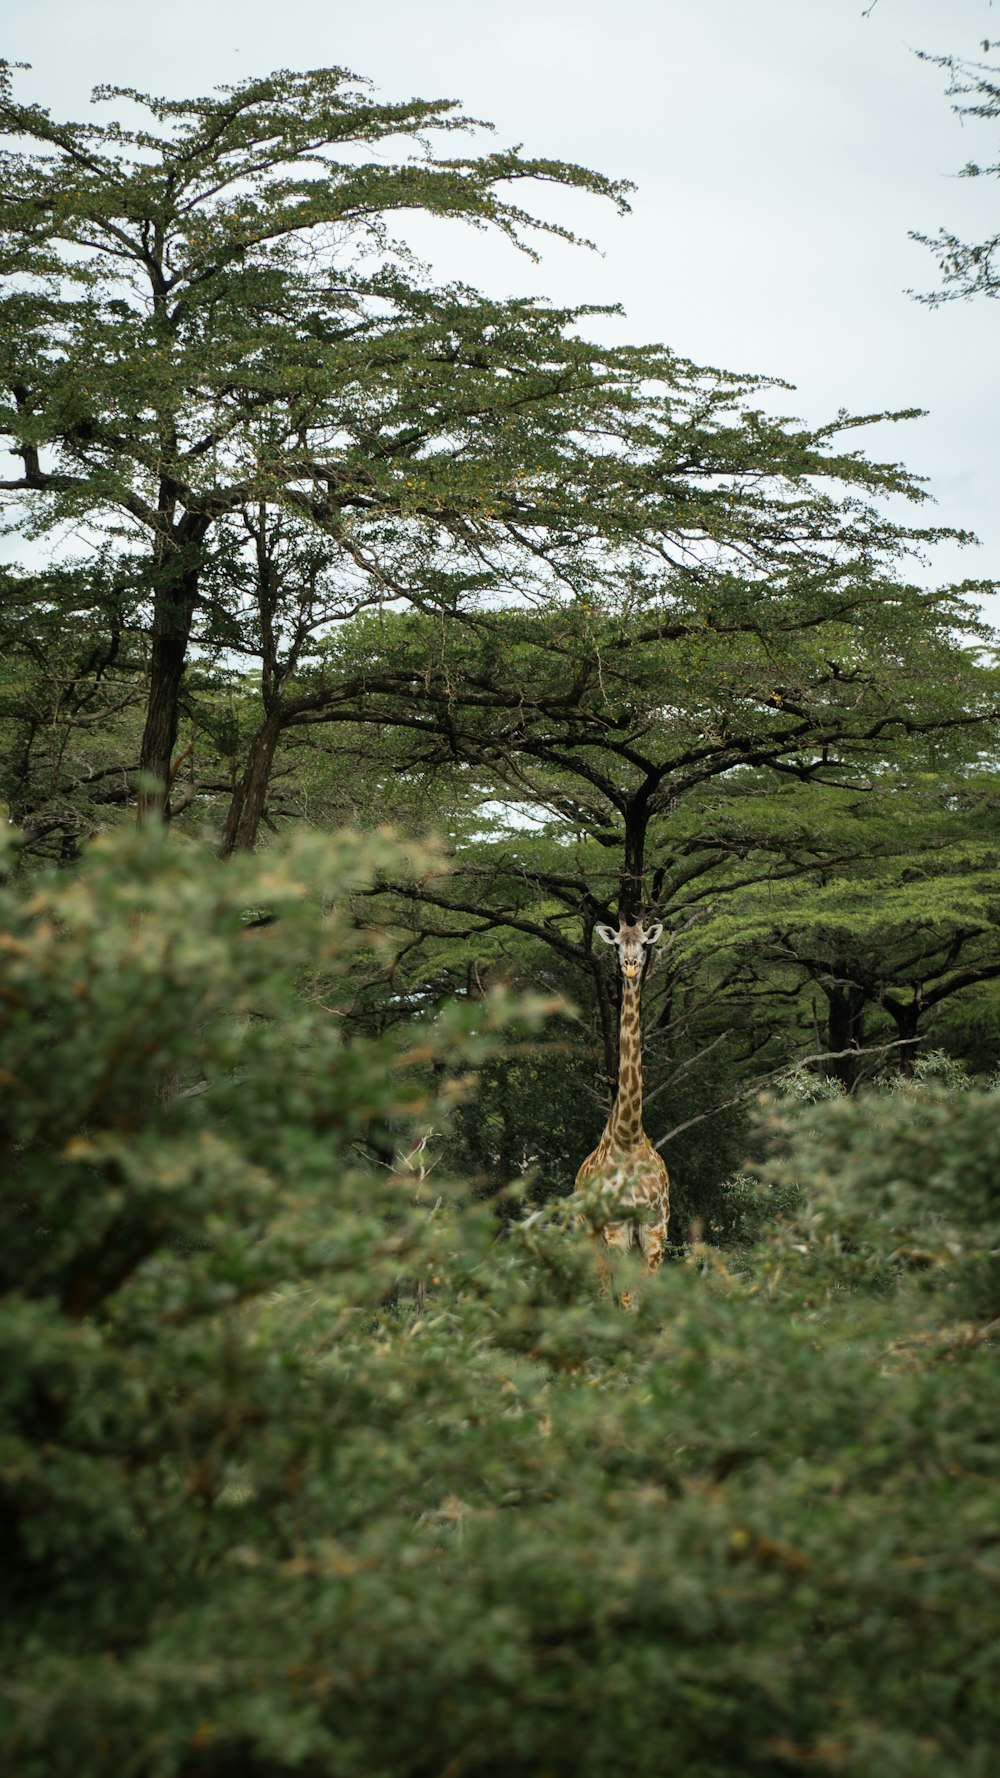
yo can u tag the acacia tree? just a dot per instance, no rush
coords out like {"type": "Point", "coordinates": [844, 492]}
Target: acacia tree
{"type": "Point", "coordinates": [207, 310]}
{"type": "Point", "coordinates": [210, 317]}
{"type": "Point", "coordinates": [631, 759]}
{"type": "Point", "coordinates": [610, 721]}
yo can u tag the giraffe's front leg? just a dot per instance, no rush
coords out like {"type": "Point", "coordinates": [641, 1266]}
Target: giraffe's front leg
{"type": "Point", "coordinates": [654, 1243]}
{"type": "Point", "coordinates": [618, 1238]}
{"type": "Point", "coordinates": [655, 1227]}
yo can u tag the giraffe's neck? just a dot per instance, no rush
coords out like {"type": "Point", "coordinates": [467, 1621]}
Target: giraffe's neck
{"type": "Point", "coordinates": [624, 1127]}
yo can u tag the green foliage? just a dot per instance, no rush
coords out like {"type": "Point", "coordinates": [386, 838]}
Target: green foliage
{"type": "Point", "coordinates": [531, 1112]}
{"type": "Point", "coordinates": [259, 1516]}
{"type": "Point", "coordinates": [902, 1184]}
{"type": "Point", "coordinates": [71, 685]}
{"type": "Point", "coordinates": [207, 331]}
{"type": "Point", "coordinates": [208, 315]}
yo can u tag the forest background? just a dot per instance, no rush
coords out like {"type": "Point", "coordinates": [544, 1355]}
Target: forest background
{"type": "Point", "coordinates": [312, 543]}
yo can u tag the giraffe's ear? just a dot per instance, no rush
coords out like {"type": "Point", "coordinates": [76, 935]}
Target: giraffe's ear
{"type": "Point", "coordinates": [608, 934]}
{"type": "Point", "coordinates": [651, 934]}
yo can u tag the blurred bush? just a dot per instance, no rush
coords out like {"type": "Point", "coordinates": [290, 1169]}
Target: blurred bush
{"type": "Point", "coordinates": [899, 1187]}
{"type": "Point", "coordinates": [304, 1470]}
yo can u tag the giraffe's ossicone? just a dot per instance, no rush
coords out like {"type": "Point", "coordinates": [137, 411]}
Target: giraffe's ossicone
{"type": "Point", "coordinates": [625, 1172]}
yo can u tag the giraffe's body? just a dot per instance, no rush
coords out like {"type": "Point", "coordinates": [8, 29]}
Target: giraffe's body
{"type": "Point", "coordinates": [625, 1169]}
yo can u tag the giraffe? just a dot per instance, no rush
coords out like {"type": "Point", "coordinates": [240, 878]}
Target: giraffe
{"type": "Point", "coordinates": [625, 1166]}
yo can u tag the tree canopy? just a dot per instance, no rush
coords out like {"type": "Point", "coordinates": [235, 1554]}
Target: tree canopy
{"type": "Point", "coordinates": [208, 309]}
{"type": "Point", "coordinates": [208, 331]}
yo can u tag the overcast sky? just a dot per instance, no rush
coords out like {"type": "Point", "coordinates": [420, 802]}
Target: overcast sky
{"type": "Point", "coordinates": [781, 150]}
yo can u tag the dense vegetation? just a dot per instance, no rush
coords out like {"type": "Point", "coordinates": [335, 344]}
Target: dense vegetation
{"type": "Point", "coordinates": [421, 633]}
{"type": "Point", "coordinates": [304, 1470]}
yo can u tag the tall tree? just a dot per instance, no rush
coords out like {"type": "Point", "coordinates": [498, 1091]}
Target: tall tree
{"type": "Point", "coordinates": [694, 544]}
{"type": "Point", "coordinates": [608, 720]}
{"type": "Point", "coordinates": [629, 759]}
{"type": "Point", "coordinates": [208, 310]}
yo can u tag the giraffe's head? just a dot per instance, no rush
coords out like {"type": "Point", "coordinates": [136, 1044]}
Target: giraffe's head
{"type": "Point", "coordinates": [632, 939]}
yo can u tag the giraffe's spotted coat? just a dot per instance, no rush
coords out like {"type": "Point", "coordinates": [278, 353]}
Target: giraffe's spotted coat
{"type": "Point", "coordinates": [625, 1172]}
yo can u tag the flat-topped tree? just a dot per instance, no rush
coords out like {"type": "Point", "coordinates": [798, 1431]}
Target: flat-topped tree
{"type": "Point", "coordinates": [612, 723]}
{"type": "Point", "coordinates": [637, 742]}
{"type": "Point", "coordinates": [207, 308]}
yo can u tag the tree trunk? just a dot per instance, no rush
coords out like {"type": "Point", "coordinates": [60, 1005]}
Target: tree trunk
{"type": "Point", "coordinates": [632, 882]}
{"type": "Point", "coordinates": [906, 1015]}
{"type": "Point", "coordinates": [174, 606]}
{"type": "Point", "coordinates": [845, 1022]}
{"type": "Point", "coordinates": [250, 796]}
{"type": "Point", "coordinates": [166, 671]}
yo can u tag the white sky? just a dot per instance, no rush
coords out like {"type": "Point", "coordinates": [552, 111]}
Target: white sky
{"type": "Point", "coordinates": [781, 148]}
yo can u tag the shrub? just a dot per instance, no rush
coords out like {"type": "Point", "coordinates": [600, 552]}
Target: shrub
{"type": "Point", "coordinates": [256, 1521]}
